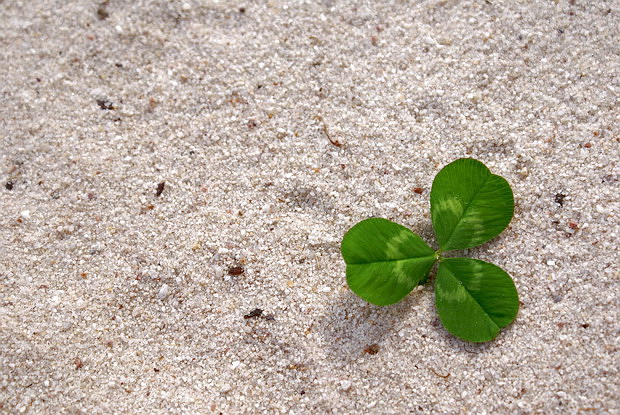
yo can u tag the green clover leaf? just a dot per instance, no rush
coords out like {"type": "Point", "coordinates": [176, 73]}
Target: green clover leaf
{"type": "Point", "coordinates": [385, 260]}
{"type": "Point", "coordinates": [469, 206]}
{"type": "Point", "coordinates": [474, 299]}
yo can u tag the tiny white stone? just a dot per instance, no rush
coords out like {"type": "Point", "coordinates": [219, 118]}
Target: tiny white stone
{"type": "Point", "coordinates": [25, 214]}
{"type": "Point", "coordinates": [345, 385]}
{"type": "Point", "coordinates": [325, 289]}
{"type": "Point", "coordinates": [235, 364]}
{"type": "Point", "coordinates": [225, 388]}
{"type": "Point", "coordinates": [163, 292]}
{"type": "Point", "coordinates": [601, 209]}
{"type": "Point", "coordinates": [119, 29]}
{"type": "Point", "coordinates": [186, 6]}
{"type": "Point", "coordinates": [551, 263]}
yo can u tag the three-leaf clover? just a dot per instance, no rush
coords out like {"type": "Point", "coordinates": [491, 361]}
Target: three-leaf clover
{"type": "Point", "coordinates": [469, 206]}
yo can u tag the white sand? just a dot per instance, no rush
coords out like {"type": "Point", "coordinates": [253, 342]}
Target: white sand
{"type": "Point", "coordinates": [113, 300]}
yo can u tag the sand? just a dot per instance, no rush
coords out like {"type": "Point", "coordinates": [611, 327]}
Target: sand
{"type": "Point", "coordinates": [167, 168]}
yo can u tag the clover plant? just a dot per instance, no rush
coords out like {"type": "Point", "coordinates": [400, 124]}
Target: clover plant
{"type": "Point", "coordinates": [469, 206]}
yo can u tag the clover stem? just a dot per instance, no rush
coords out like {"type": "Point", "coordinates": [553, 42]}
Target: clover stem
{"type": "Point", "coordinates": [438, 256]}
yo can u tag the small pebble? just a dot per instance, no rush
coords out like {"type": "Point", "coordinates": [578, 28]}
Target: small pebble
{"type": "Point", "coordinates": [235, 271]}
{"type": "Point", "coordinates": [163, 292]}
{"type": "Point", "coordinates": [372, 349]}
{"type": "Point", "coordinates": [257, 312]}
{"type": "Point", "coordinates": [160, 189]}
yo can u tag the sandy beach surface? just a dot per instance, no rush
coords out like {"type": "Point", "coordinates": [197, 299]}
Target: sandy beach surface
{"type": "Point", "coordinates": [176, 178]}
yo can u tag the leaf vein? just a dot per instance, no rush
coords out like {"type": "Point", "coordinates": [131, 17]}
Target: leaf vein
{"type": "Point", "coordinates": [466, 209]}
{"type": "Point", "coordinates": [393, 260]}
{"type": "Point", "coordinates": [472, 297]}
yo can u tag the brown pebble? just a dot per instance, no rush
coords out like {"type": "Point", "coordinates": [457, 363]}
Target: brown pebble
{"type": "Point", "coordinates": [235, 270]}
{"type": "Point", "coordinates": [102, 13]}
{"type": "Point", "coordinates": [152, 104]}
{"type": "Point", "coordinates": [105, 104]}
{"type": "Point", "coordinates": [372, 349]}
{"type": "Point", "coordinates": [418, 190]}
{"type": "Point", "coordinates": [573, 225]}
{"type": "Point", "coordinates": [257, 312]}
{"type": "Point", "coordinates": [160, 189]}
{"type": "Point", "coordinates": [78, 363]}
